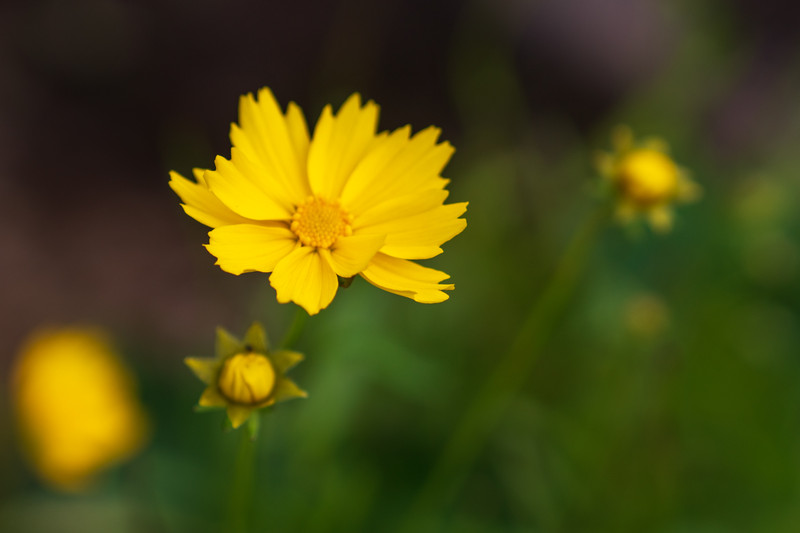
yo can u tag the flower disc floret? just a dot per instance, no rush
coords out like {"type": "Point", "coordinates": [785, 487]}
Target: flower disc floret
{"type": "Point", "coordinates": [247, 378]}
{"type": "Point", "coordinates": [319, 223]}
{"type": "Point", "coordinates": [648, 177]}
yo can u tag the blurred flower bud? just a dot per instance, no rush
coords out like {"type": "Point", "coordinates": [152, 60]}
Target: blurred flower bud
{"type": "Point", "coordinates": [76, 406]}
{"type": "Point", "coordinates": [644, 179]}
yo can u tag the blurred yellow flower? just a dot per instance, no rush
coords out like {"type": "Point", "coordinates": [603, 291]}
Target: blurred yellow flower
{"type": "Point", "coordinates": [645, 179]}
{"type": "Point", "coordinates": [343, 202]}
{"type": "Point", "coordinates": [245, 375]}
{"type": "Point", "coordinates": [76, 406]}
{"type": "Point", "coordinates": [646, 315]}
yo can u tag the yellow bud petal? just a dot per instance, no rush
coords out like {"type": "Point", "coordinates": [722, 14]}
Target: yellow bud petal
{"type": "Point", "coordinates": [648, 177]}
{"type": "Point", "coordinates": [247, 379]}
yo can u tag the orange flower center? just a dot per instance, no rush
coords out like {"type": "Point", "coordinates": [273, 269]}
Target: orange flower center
{"type": "Point", "coordinates": [648, 177]}
{"type": "Point", "coordinates": [318, 222]}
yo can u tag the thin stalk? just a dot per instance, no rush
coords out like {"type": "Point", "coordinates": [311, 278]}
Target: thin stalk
{"type": "Point", "coordinates": [243, 485]}
{"type": "Point", "coordinates": [485, 411]}
{"type": "Point", "coordinates": [244, 471]}
{"type": "Point", "coordinates": [295, 329]}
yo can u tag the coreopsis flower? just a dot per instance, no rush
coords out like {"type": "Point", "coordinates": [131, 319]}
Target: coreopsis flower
{"type": "Point", "coordinates": [645, 179]}
{"type": "Point", "coordinates": [245, 375]}
{"type": "Point", "coordinates": [76, 406]}
{"type": "Point", "coordinates": [346, 201]}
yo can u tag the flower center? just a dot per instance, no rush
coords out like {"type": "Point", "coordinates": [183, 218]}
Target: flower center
{"type": "Point", "coordinates": [318, 222]}
{"type": "Point", "coordinates": [247, 378]}
{"type": "Point", "coordinates": [648, 177]}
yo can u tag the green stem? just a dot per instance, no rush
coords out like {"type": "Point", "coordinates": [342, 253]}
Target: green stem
{"type": "Point", "coordinates": [485, 411]}
{"type": "Point", "coordinates": [244, 471]}
{"type": "Point", "coordinates": [295, 329]}
{"type": "Point", "coordinates": [243, 485]}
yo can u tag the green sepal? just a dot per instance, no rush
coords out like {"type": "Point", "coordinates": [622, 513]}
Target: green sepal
{"type": "Point", "coordinates": [256, 338]}
{"type": "Point", "coordinates": [205, 368]}
{"type": "Point", "coordinates": [287, 389]}
{"type": "Point", "coordinates": [283, 360]}
{"type": "Point", "coordinates": [227, 344]}
{"type": "Point", "coordinates": [206, 408]}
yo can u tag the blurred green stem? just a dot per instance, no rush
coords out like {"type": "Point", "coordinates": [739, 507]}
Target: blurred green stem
{"type": "Point", "coordinates": [243, 485]}
{"type": "Point", "coordinates": [485, 411]}
{"type": "Point", "coordinates": [295, 329]}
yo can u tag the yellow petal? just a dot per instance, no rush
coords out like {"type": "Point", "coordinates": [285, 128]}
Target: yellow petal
{"type": "Point", "coordinates": [687, 190]}
{"type": "Point", "coordinates": [200, 204]}
{"type": "Point", "coordinates": [286, 389]}
{"type": "Point", "coordinates": [298, 131]}
{"type": "Point", "coordinates": [268, 179]}
{"type": "Point", "coordinates": [198, 176]}
{"type": "Point", "coordinates": [305, 278]}
{"type": "Point", "coordinates": [407, 279]}
{"type": "Point", "coordinates": [265, 136]}
{"type": "Point", "coordinates": [622, 139]}
{"type": "Point", "coordinates": [376, 161]}
{"type": "Point", "coordinates": [238, 414]}
{"type": "Point", "coordinates": [283, 360]}
{"type": "Point", "coordinates": [420, 236]}
{"type": "Point", "coordinates": [656, 143]}
{"type": "Point", "coordinates": [212, 398]}
{"type": "Point", "coordinates": [605, 163]}
{"type": "Point", "coordinates": [660, 218]}
{"type": "Point", "coordinates": [242, 193]}
{"type": "Point", "coordinates": [625, 212]}
{"type": "Point", "coordinates": [400, 207]}
{"type": "Point", "coordinates": [249, 247]}
{"type": "Point", "coordinates": [203, 367]}
{"type": "Point", "coordinates": [339, 143]}
{"type": "Point", "coordinates": [351, 255]}
{"type": "Point", "coordinates": [396, 167]}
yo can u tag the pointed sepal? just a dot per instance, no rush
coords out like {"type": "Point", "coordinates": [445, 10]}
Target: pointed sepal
{"type": "Point", "coordinates": [283, 360]}
{"type": "Point", "coordinates": [227, 344]}
{"type": "Point", "coordinates": [256, 338]}
{"type": "Point", "coordinates": [205, 368]}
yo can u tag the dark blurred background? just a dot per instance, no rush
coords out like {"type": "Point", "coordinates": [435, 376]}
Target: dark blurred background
{"type": "Point", "coordinates": [100, 98]}
{"type": "Point", "coordinates": [690, 425]}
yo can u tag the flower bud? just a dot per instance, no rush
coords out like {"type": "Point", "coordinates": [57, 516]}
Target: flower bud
{"type": "Point", "coordinates": [648, 177]}
{"type": "Point", "coordinates": [247, 378]}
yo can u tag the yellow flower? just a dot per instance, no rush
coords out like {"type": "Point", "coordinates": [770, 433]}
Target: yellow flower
{"type": "Point", "coordinates": [343, 202]}
{"type": "Point", "coordinates": [245, 375]}
{"type": "Point", "coordinates": [76, 406]}
{"type": "Point", "coordinates": [645, 179]}
{"type": "Point", "coordinates": [646, 315]}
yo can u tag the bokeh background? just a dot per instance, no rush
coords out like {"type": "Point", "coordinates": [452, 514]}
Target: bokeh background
{"type": "Point", "coordinates": [665, 401]}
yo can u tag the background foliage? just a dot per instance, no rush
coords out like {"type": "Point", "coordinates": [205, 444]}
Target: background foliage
{"type": "Point", "coordinates": [667, 398]}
